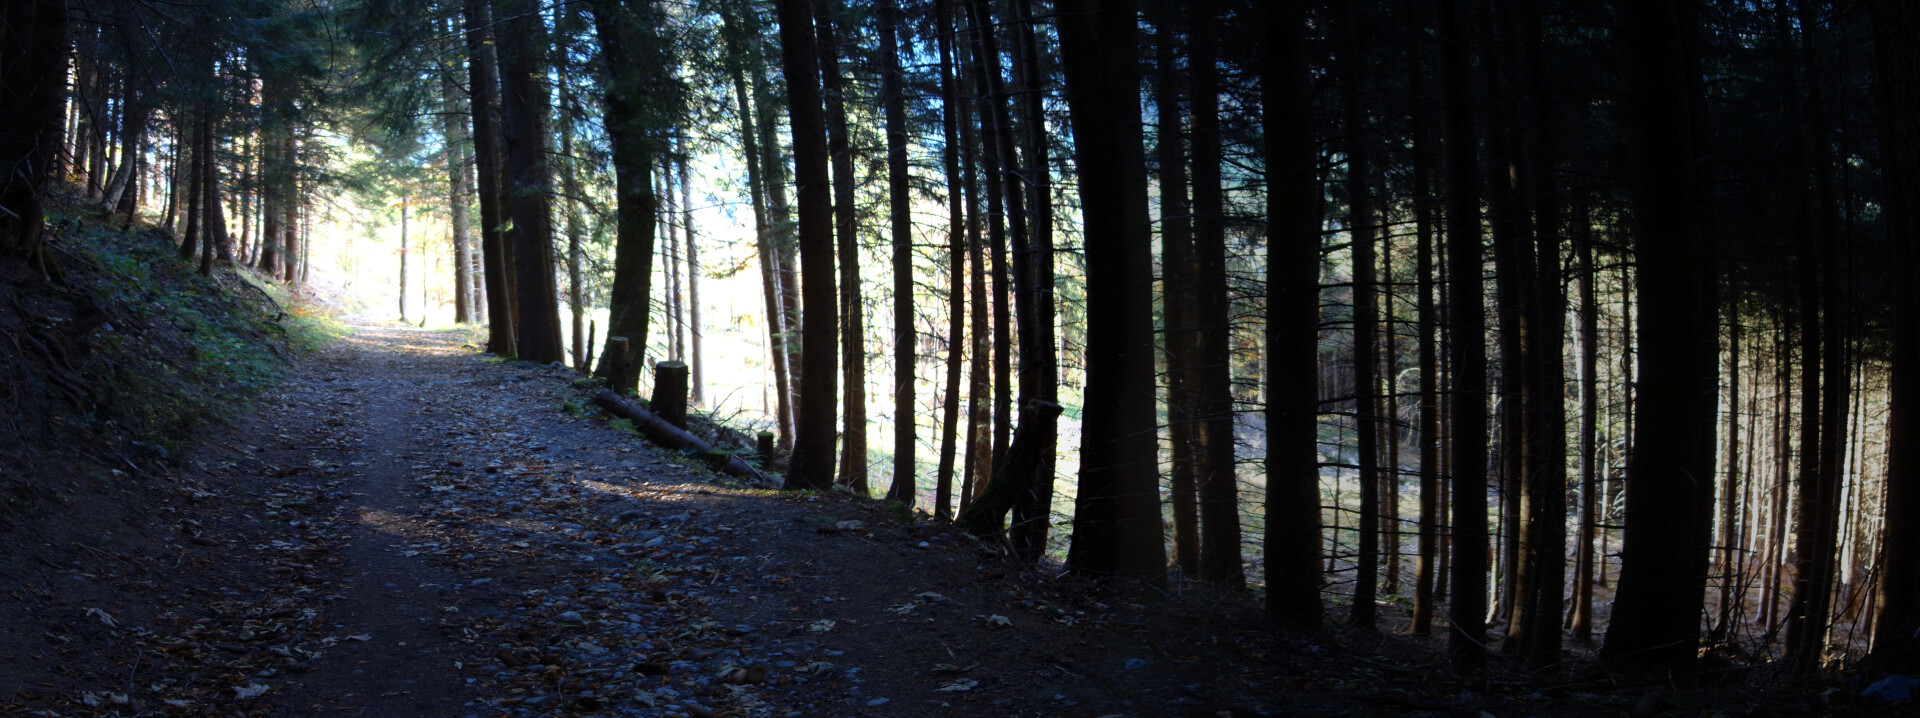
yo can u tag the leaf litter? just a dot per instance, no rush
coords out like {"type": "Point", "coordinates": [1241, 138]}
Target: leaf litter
{"type": "Point", "coordinates": [398, 503]}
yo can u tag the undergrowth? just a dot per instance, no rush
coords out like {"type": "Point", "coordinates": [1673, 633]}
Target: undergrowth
{"type": "Point", "coordinates": [198, 348]}
{"type": "Point", "coordinates": [127, 351]}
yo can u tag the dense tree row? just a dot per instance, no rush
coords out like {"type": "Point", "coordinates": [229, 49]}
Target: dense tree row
{"type": "Point", "coordinates": [1344, 301]}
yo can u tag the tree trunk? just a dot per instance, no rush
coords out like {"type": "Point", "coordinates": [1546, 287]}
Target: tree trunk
{"type": "Point", "coordinates": [174, 179]}
{"type": "Point", "coordinates": [403, 260]}
{"type": "Point", "coordinates": [453, 124]}
{"type": "Point", "coordinates": [1033, 513]}
{"type": "Point", "coordinates": [853, 356]}
{"type": "Point", "coordinates": [1546, 480]}
{"type": "Point", "coordinates": [812, 465]}
{"type": "Point", "coordinates": [196, 188]}
{"type": "Point", "coordinates": [1214, 462]}
{"type": "Point", "coordinates": [979, 446]}
{"type": "Point", "coordinates": [1729, 495]}
{"type": "Point", "coordinates": [246, 202]}
{"type": "Point", "coordinates": [273, 192]}
{"type": "Point", "coordinates": [290, 248]}
{"type": "Point", "coordinates": [737, 26]}
{"type": "Point", "coordinates": [124, 195]}
{"type": "Point", "coordinates": [950, 117]}
{"type": "Point", "coordinates": [670, 254]}
{"type": "Point", "coordinates": [994, 149]}
{"type": "Point", "coordinates": [1468, 409]}
{"type": "Point", "coordinates": [899, 213]}
{"type": "Point", "coordinates": [1820, 554]}
{"type": "Point", "coordinates": [626, 36]}
{"type": "Point", "coordinates": [1669, 512]}
{"type": "Point", "coordinates": [524, 101]}
{"type": "Point", "coordinates": [213, 225]}
{"type": "Point", "coordinates": [1426, 324]}
{"type": "Point", "coordinates": [1292, 535]}
{"type": "Point", "coordinates": [1178, 302]}
{"type": "Point", "coordinates": [1117, 518]}
{"type": "Point", "coordinates": [773, 165]}
{"type": "Point", "coordinates": [1897, 604]}
{"type": "Point", "coordinates": [484, 81]}
{"type": "Point", "coordinates": [209, 202]}
{"type": "Point", "coordinates": [570, 209]}
{"type": "Point", "coordinates": [1366, 384]}
{"type": "Point", "coordinates": [693, 277]}
{"type": "Point", "coordinates": [1581, 622]}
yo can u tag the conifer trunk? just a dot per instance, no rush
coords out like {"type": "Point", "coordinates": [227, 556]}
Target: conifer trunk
{"type": "Point", "coordinates": [812, 463]}
{"type": "Point", "coordinates": [1898, 601]}
{"type": "Point", "coordinates": [1669, 511]}
{"type": "Point", "coordinates": [853, 357]}
{"type": "Point", "coordinates": [484, 82]}
{"type": "Point", "coordinates": [1293, 535]}
{"type": "Point", "coordinates": [1467, 410]}
{"type": "Point", "coordinates": [737, 26]}
{"type": "Point", "coordinates": [1426, 324]}
{"type": "Point", "coordinates": [1214, 472]}
{"type": "Point", "coordinates": [1581, 622]}
{"type": "Point", "coordinates": [1033, 513]}
{"type": "Point", "coordinates": [1117, 526]}
{"type": "Point", "coordinates": [453, 128]}
{"type": "Point", "coordinates": [1177, 300]}
{"type": "Point", "coordinates": [1360, 231]}
{"type": "Point", "coordinates": [524, 101]}
{"type": "Point", "coordinates": [899, 208]}
{"type": "Point", "coordinates": [950, 117]}
{"type": "Point", "coordinates": [403, 261]}
{"type": "Point", "coordinates": [694, 358]}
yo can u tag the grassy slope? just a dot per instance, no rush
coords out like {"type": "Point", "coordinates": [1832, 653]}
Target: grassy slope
{"type": "Point", "coordinates": [106, 371]}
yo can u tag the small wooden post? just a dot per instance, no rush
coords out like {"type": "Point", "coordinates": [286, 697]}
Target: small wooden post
{"type": "Point", "coordinates": [619, 378]}
{"type": "Point", "coordinates": [763, 445]}
{"type": "Point", "coordinates": [670, 392]}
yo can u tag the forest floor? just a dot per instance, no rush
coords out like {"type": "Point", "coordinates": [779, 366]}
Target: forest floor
{"type": "Point", "coordinates": [408, 527]}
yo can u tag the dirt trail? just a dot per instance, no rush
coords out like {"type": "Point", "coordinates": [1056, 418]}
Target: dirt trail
{"type": "Point", "coordinates": [411, 528]}
{"type": "Point", "coordinates": [501, 553]}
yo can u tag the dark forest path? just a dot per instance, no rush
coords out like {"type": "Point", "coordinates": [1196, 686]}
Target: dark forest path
{"type": "Point", "coordinates": [408, 527]}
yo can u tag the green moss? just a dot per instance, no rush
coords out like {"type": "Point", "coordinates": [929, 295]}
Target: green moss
{"type": "Point", "coordinates": [182, 349]}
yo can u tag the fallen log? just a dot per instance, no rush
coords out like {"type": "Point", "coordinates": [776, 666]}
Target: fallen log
{"type": "Point", "coordinates": [667, 435]}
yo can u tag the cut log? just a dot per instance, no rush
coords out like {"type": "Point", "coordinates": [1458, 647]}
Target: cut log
{"type": "Point", "coordinates": [670, 392]}
{"type": "Point", "coordinates": [669, 436]}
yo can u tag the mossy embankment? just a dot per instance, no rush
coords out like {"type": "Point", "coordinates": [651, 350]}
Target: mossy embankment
{"type": "Point", "coordinates": [119, 360]}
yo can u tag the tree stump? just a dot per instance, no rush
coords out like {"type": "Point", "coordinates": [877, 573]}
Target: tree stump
{"type": "Point", "coordinates": [763, 445]}
{"type": "Point", "coordinates": [670, 392]}
{"type": "Point", "coordinates": [619, 378]}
